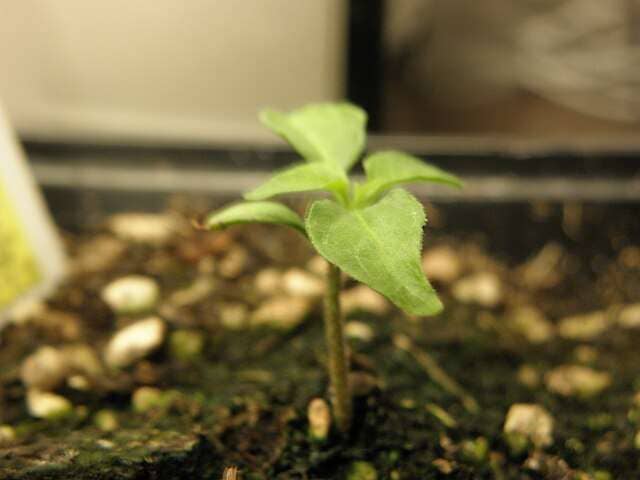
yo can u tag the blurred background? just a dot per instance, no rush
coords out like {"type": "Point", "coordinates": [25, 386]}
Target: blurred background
{"type": "Point", "coordinates": [194, 73]}
{"type": "Point", "coordinates": [120, 103]}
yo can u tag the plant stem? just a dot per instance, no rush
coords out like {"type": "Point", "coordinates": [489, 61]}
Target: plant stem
{"type": "Point", "coordinates": [338, 364]}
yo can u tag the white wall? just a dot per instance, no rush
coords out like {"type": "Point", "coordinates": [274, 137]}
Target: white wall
{"type": "Point", "coordinates": [175, 71]}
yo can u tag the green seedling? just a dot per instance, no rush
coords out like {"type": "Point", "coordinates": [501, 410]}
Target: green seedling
{"type": "Point", "coordinates": [370, 230]}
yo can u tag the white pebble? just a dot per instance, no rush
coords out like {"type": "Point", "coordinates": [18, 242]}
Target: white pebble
{"type": "Point", "coordinates": [155, 229]}
{"type": "Point", "coordinates": [364, 299]}
{"type": "Point", "coordinates": [532, 422]}
{"type": "Point", "coordinates": [358, 331]}
{"type": "Point", "coordinates": [131, 294]}
{"type": "Point", "coordinates": [47, 405]}
{"type": "Point", "coordinates": [7, 435]}
{"type": "Point", "coordinates": [576, 380]}
{"type": "Point", "coordinates": [630, 316]}
{"type": "Point", "coordinates": [317, 265]}
{"type": "Point", "coordinates": [283, 313]}
{"type": "Point", "coordinates": [135, 342]}
{"type": "Point", "coordinates": [268, 282]}
{"type": "Point", "coordinates": [146, 398]}
{"type": "Point", "coordinates": [483, 288]}
{"type": "Point", "coordinates": [45, 369]}
{"type": "Point", "coordinates": [234, 316]}
{"type": "Point", "coordinates": [441, 264]}
{"type": "Point", "coordinates": [199, 290]}
{"type": "Point", "coordinates": [531, 323]}
{"type": "Point", "coordinates": [319, 417]}
{"type": "Point", "coordinates": [583, 327]}
{"type": "Point", "coordinates": [234, 262]}
{"type": "Point", "coordinates": [297, 282]}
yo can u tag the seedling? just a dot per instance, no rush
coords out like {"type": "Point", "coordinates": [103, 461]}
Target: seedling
{"type": "Point", "coordinates": [370, 230]}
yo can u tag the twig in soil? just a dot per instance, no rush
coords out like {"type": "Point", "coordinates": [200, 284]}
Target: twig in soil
{"type": "Point", "coordinates": [437, 374]}
{"type": "Point", "coordinates": [442, 415]}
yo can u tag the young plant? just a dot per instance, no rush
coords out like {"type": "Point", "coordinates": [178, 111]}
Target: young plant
{"type": "Point", "coordinates": [370, 230]}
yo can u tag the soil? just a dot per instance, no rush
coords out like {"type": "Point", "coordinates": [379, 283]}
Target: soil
{"type": "Point", "coordinates": [243, 400]}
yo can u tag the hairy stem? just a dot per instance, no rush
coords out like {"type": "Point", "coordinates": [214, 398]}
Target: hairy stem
{"type": "Point", "coordinates": [338, 364]}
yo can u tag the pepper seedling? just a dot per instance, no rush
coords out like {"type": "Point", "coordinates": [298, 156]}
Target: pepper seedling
{"type": "Point", "coordinates": [370, 230]}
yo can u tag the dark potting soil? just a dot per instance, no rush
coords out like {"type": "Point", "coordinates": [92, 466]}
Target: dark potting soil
{"type": "Point", "coordinates": [242, 400]}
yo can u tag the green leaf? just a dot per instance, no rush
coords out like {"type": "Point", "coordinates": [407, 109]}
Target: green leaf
{"type": "Point", "coordinates": [255, 212]}
{"type": "Point", "coordinates": [303, 178]}
{"type": "Point", "coordinates": [387, 169]}
{"type": "Point", "coordinates": [379, 245]}
{"type": "Point", "coordinates": [322, 132]}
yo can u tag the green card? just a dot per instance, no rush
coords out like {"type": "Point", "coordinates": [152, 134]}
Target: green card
{"type": "Point", "coordinates": [31, 255]}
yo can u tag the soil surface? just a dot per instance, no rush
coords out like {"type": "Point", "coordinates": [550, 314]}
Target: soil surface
{"type": "Point", "coordinates": [228, 384]}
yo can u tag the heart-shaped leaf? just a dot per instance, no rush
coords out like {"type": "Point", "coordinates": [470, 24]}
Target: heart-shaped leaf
{"type": "Point", "coordinates": [303, 178]}
{"type": "Point", "coordinates": [322, 132]}
{"type": "Point", "coordinates": [379, 245]}
{"type": "Point", "coordinates": [255, 212]}
{"type": "Point", "coordinates": [387, 169]}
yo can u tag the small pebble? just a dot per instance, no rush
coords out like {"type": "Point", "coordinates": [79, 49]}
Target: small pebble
{"type": "Point", "coordinates": [97, 255]}
{"type": "Point", "coordinates": [186, 344]}
{"type": "Point", "coordinates": [629, 256]}
{"type": "Point", "coordinates": [585, 354]}
{"type": "Point", "coordinates": [317, 265]}
{"type": "Point", "coordinates": [147, 398]}
{"type": "Point", "coordinates": [268, 282]}
{"type": "Point", "coordinates": [408, 403]}
{"type": "Point", "coordinates": [199, 290]}
{"type": "Point", "coordinates": [528, 376]}
{"type": "Point", "coordinates": [363, 298]}
{"type": "Point", "coordinates": [530, 421]}
{"type": "Point", "coordinates": [297, 282]}
{"type": "Point", "coordinates": [319, 418]}
{"type": "Point", "coordinates": [629, 316]}
{"type": "Point", "coordinates": [283, 313]}
{"type": "Point", "coordinates": [105, 444]}
{"type": "Point", "coordinates": [544, 269]}
{"type": "Point", "coordinates": [583, 327]}
{"type": "Point", "coordinates": [207, 266]}
{"type": "Point", "coordinates": [106, 420]}
{"type": "Point", "coordinates": [79, 382]}
{"type": "Point", "coordinates": [361, 471]}
{"type": "Point", "coordinates": [45, 369]}
{"type": "Point", "coordinates": [531, 323]}
{"type": "Point", "coordinates": [155, 229]}
{"type": "Point", "coordinates": [131, 295]}
{"type": "Point", "coordinates": [358, 331]}
{"type": "Point", "coordinates": [234, 262]}
{"type": "Point", "coordinates": [234, 316]}
{"type": "Point", "coordinates": [135, 342]}
{"type": "Point", "coordinates": [7, 435]}
{"type": "Point", "coordinates": [81, 358]}
{"type": "Point", "coordinates": [476, 450]}
{"type": "Point", "coordinates": [27, 311]}
{"type": "Point", "coordinates": [576, 380]}
{"type": "Point", "coordinates": [444, 466]}
{"type": "Point", "coordinates": [442, 264]}
{"type": "Point", "coordinates": [47, 405]}
{"type": "Point", "coordinates": [484, 289]}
